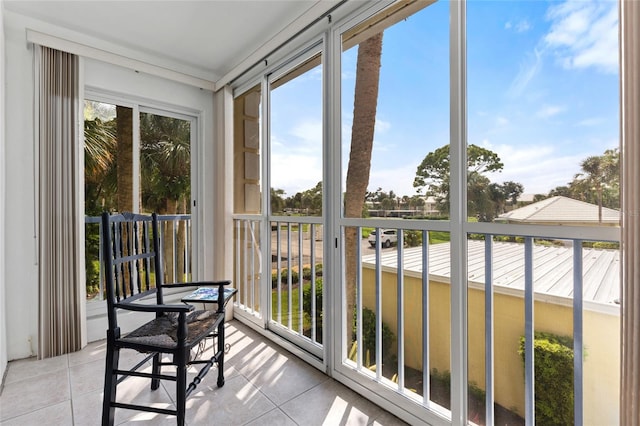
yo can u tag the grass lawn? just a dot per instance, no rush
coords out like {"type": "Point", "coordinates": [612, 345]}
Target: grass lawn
{"type": "Point", "coordinates": [284, 307]}
{"type": "Point", "coordinates": [436, 237]}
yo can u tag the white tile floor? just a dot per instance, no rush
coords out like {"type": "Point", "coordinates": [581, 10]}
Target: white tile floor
{"type": "Point", "coordinates": [265, 385]}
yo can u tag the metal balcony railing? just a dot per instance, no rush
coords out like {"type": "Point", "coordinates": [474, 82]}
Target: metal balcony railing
{"type": "Point", "coordinates": [549, 273]}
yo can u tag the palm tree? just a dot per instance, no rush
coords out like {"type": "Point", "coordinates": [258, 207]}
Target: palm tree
{"type": "Point", "coordinates": [601, 172]}
{"type": "Point", "coordinates": [99, 187]}
{"type": "Point", "coordinates": [166, 179]}
{"type": "Point", "coordinates": [364, 120]}
{"type": "Point", "coordinates": [99, 165]}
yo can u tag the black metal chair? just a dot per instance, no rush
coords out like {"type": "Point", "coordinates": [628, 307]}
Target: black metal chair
{"type": "Point", "coordinates": [134, 272]}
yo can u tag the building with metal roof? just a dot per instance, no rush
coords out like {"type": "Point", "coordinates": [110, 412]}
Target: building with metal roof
{"type": "Point", "coordinates": [561, 211]}
{"type": "Point", "coordinates": [552, 271]}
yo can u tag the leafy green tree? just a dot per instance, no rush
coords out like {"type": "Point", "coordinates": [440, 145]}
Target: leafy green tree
{"type": "Point", "coordinates": [166, 163]}
{"type": "Point", "coordinates": [563, 191]}
{"type": "Point", "coordinates": [479, 202]}
{"type": "Point", "coordinates": [503, 194]}
{"type": "Point", "coordinates": [433, 173]}
{"type": "Point", "coordinates": [312, 199]}
{"type": "Point", "coordinates": [100, 187]}
{"type": "Point", "coordinates": [416, 201]}
{"type": "Point", "coordinates": [512, 191]}
{"type": "Point", "coordinates": [99, 166]}
{"type": "Point", "coordinates": [277, 200]}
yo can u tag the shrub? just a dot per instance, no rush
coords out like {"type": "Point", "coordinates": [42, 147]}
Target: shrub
{"type": "Point", "coordinates": [306, 271]}
{"type": "Point", "coordinates": [413, 238]}
{"type": "Point", "coordinates": [306, 302]}
{"type": "Point", "coordinates": [553, 365]}
{"type": "Point", "coordinates": [284, 277]}
{"type": "Point", "coordinates": [369, 335]}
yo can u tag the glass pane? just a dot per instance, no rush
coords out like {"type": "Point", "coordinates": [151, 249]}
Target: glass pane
{"type": "Point", "coordinates": [296, 278]}
{"type": "Point", "coordinates": [247, 265]}
{"type": "Point", "coordinates": [543, 108]}
{"type": "Point", "coordinates": [296, 140]}
{"type": "Point", "coordinates": [100, 183]}
{"type": "Point", "coordinates": [165, 164]}
{"type": "Point", "coordinates": [108, 149]}
{"type": "Point", "coordinates": [105, 136]}
{"type": "Point", "coordinates": [395, 112]}
{"type": "Point", "coordinates": [552, 269]}
{"type": "Point", "coordinates": [534, 130]}
{"type": "Point", "coordinates": [165, 187]}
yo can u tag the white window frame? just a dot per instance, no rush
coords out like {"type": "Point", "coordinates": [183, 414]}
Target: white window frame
{"type": "Point", "coordinates": [457, 226]}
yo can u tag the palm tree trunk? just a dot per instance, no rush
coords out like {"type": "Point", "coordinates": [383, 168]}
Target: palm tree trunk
{"type": "Point", "coordinates": [181, 242]}
{"type": "Point", "coordinates": [168, 247]}
{"type": "Point", "coordinates": [124, 130]}
{"type": "Point", "coordinates": [124, 164]}
{"type": "Point", "coordinates": [364, 120]}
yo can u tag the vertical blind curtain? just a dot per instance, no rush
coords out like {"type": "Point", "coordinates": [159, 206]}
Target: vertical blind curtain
{"type": "Point", "coordinates": [58, 139]}
{"type": "Point", "coordinates": [630, 133]}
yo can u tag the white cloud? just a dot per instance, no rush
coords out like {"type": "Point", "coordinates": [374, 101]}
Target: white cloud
{"type": "Point", "coordinates": [528, 70]}
{"type": "Point", "coordinates": [589, 122]}
{"type": "Point", "coordinates": [382, 126]}
{"type": "Point", "coordinates": [294, 172]}
{"type": "Point", "coordinates": [539, 168]}
{"type": "Point", "coordinates": [398, 179]}
{"type": "Point", "coordinates": [296, 158]}
{"type": "Point", "coordinates": [502, 121]}
{"type": "Point", "coordinates": [584, 34]}
{"type": "Point", "coordinates": [550, 111]}
{"type": "Point", "coordinates": [309, 134]}
{"type": "Point", "coordinates": [523, 26]}
{"type": "Point", "coordinates": [519, 27]}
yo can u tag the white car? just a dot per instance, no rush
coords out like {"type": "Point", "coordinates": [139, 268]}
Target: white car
{"type": "Point", "coordinates": [388, 237]}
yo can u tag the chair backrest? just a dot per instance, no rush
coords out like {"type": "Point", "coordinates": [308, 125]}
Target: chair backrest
{"type": "Point", "coordinates": [132, 261]}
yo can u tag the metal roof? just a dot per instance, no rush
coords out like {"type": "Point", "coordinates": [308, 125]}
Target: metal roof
{"type": "Point", "coordinates": [561, 210]}
{"type": "Point", "coordinates": [552, 270]}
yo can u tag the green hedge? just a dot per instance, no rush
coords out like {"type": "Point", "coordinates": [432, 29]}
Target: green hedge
{"type": "Point", "coordinates": [553, 365]}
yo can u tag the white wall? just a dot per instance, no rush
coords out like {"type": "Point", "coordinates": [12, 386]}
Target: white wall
{"type": "Point", "coordinates": [21, 279]}
{"type": "Point", "coordinates": [3, 310]}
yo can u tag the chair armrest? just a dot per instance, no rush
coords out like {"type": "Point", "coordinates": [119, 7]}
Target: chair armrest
{"type": "Point", "coordinates": [197, 284]}
{"type": "Point", "coordinates": [155, 308]}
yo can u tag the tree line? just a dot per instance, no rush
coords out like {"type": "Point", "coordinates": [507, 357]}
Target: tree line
{"type": "Point", "coordinates": [598, 183]}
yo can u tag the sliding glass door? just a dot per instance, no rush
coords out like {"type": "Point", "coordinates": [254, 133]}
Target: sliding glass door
{"type": "Point", "coordinates": [137, 159]}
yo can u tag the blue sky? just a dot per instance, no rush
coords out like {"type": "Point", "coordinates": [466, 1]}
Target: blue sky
{"type": "Point", "coordinates": [542, 82]}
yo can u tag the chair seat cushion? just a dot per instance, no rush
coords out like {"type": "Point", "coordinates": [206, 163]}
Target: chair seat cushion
{"type": "Point", "coordinates": [163, 331]}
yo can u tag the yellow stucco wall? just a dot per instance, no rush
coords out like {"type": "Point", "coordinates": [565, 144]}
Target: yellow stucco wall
{"type": "Point", "coordinates": [601, 340]}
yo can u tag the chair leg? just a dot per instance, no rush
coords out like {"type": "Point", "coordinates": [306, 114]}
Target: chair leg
{"type": "Point", "coordinates": [181, 387]}
{"type": "Point", "coordinates": [110, 383]}
{"type": "Point", "coordinates": [155, 383]}
{"type": "Point", "coordinates": [220, 339]}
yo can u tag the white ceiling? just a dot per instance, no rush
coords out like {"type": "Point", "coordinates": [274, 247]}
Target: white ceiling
{"type": "Point", "coordinates": [207, 38]}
